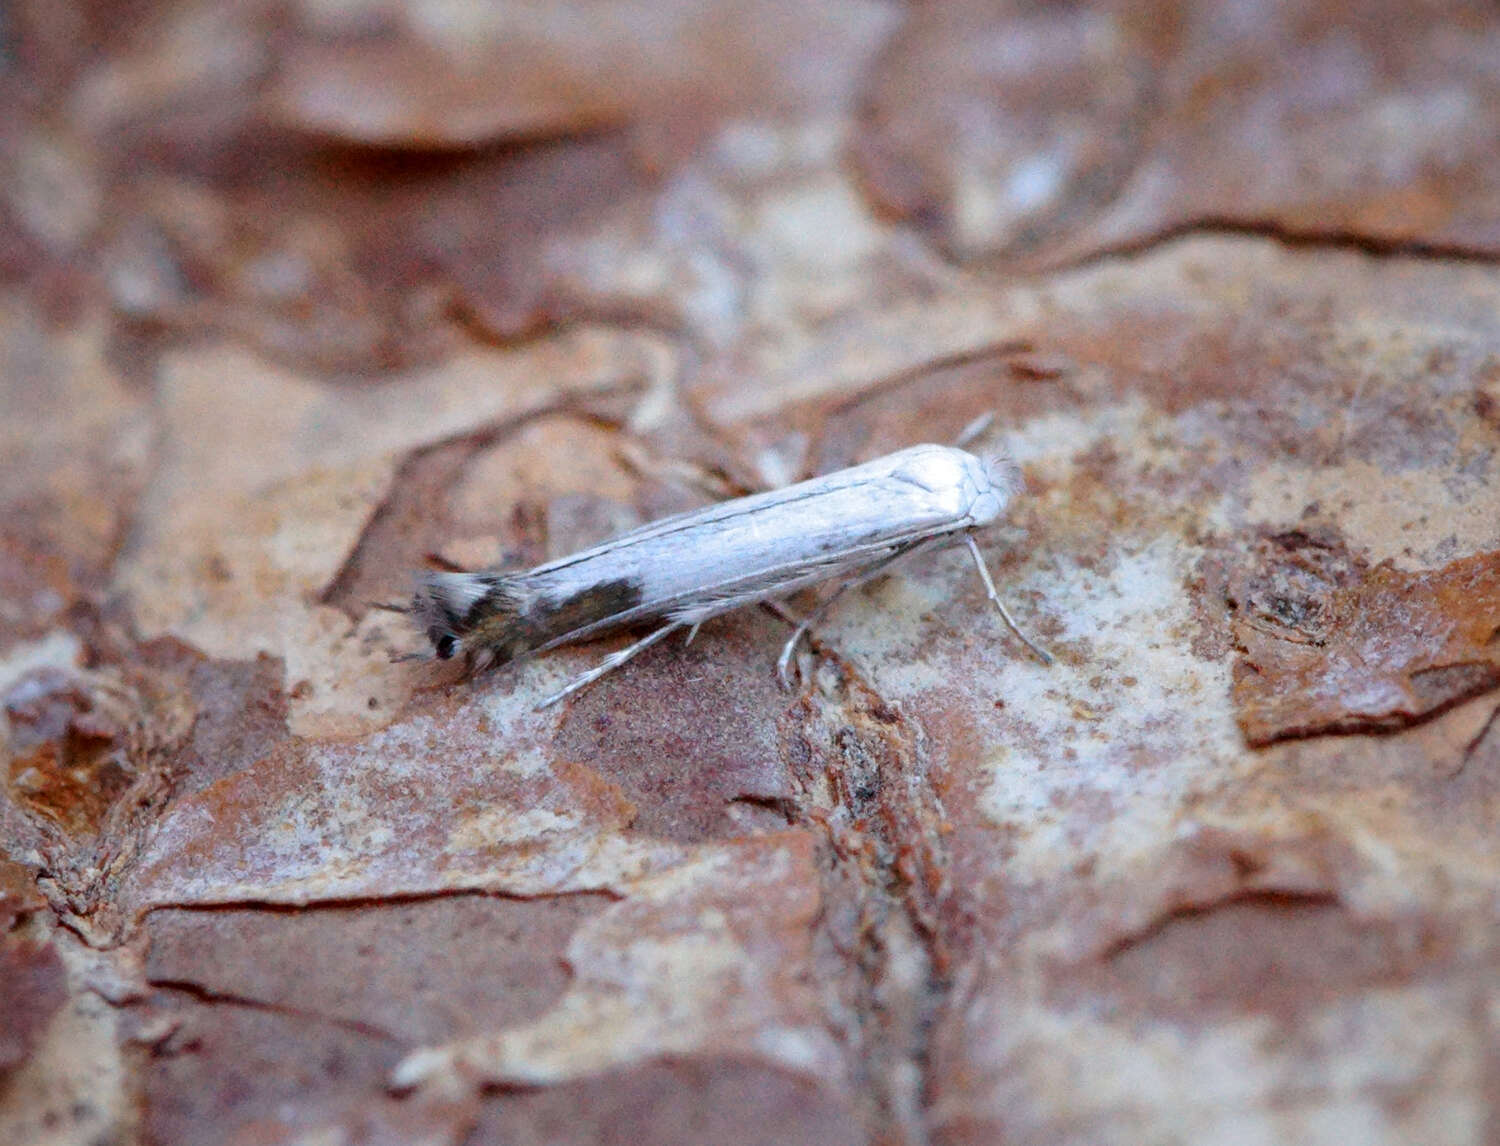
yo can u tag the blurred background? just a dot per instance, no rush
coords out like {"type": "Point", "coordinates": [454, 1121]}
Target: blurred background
{"type": "Point", "coordinates": [351, 188]}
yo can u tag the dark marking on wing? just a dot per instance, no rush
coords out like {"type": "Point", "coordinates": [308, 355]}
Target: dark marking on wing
{"type": "Point", "coordinates": [587, 606]}
{"type": "Point", "coordinates": [512, 635]}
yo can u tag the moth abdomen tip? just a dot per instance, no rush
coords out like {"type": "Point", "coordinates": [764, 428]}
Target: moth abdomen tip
{"type": "Point", "coordinates": [1004, 474]}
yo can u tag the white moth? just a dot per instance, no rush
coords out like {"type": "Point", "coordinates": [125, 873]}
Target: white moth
{"type": "Point", "coordinates": [682, 570]}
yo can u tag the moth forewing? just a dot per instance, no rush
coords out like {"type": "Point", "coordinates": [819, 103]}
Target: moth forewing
{"type": "Point", "coordinates": [696, 565]}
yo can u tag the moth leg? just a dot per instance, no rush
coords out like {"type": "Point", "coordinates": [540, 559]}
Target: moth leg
{"type": "Point", "coordinates": [784, 662]}
{"type": "Point", "coordinates": [989, 587]}
{"type": "Point", "coordinates": [610, 663]}
{"type": "Point", "coordinates": [693, 632]}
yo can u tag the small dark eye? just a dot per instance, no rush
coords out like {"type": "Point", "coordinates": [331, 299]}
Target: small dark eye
{"type": "Point", "coordinates": [445, 645]}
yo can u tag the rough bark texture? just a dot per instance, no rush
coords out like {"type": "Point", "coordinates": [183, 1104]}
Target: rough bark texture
{"type": "Point", "coordinates": [294, 295]}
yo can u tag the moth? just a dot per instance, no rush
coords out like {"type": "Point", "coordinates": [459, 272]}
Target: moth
{"type": "Point", "coordinates": [680, 571]}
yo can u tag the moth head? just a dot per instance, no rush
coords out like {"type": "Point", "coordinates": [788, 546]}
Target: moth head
{"type": "Point", "coordinates": [447, 606]}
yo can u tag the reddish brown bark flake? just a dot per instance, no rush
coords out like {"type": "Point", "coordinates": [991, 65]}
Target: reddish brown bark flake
{"type": "Point", "coordinates": [1338, 648]}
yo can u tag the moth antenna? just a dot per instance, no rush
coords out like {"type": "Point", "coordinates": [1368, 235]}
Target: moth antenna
{"type": "Point", "coordinates": [386, 606]}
